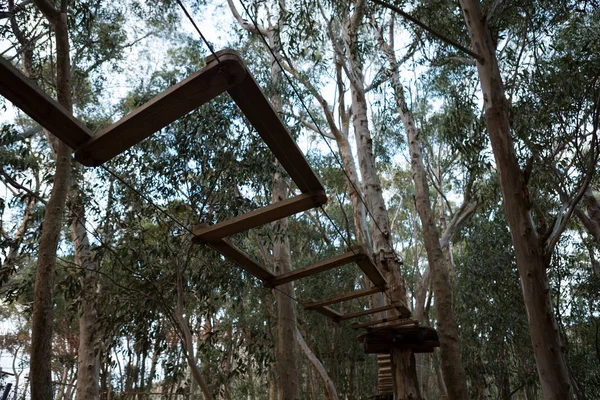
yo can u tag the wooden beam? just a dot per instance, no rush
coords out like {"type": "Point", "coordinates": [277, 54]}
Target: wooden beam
{"type": "Point", "coordinates": [172, 104]}
{"type": "Point", "coordinates": [26, 95]}
{"type": "Point", "coordinates": [261, 216]}
{"type": "Point", "coordinates": [329, 312]}
{"type": "Point", "coordinates": [381, 321]}
{"type": "Point", "coordinates": [229, 250]}
{"type": "Point", "coordinates": [370, 270]}
{"type": "Point", "coordinates": [367, 312]}
{"type": "Point", "coordinates": [252, 102]}
{"type": "Point", "coordinates": [315, 268]}
{"type": "Point", "coordinates": [341, 298]}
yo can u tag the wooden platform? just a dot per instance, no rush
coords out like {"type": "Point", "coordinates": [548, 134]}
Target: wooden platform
{"type": "Point", "coordinates": [381, 340]}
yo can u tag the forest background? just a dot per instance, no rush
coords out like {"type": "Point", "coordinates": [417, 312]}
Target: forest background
{"type": "Point", "coordinates": [401, 128]}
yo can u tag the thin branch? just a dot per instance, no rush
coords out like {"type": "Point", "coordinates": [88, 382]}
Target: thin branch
{"type": "Point", "coordinates": [15, 184]}
{"type": "Point", "coordinates": [443, 38]}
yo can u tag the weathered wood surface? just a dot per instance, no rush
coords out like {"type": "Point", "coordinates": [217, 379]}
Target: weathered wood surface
{"type": "Point", "coordinates": [366, 264]}
{"type": "Point", "coordinates": [311, 304]}
{"type": "Point", "coordinates": [316, 268]}
{"type": "Point", "coordinates": [367, 312]}
{"type": "Point", "coordinates": [175, 102]}
{"type": "Point", "coordinates": [229, 250]}
{"type": "Point", "coordinates": [261, 216]}
{"type": "Point", "coordinates": [26, 95]}
{"type": "Point", "coordinates": [252, 102]}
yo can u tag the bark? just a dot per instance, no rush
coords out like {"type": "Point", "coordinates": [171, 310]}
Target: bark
{"type": "Point", "coordinates": [286, 351]}
{"type": "Point", "coordinates": [531, 258]}
{"type": "Point", "coordinates": [404, 372]}
{"type": "Point", "coordinates": [88, 372]}
{"type": "Point", "coordinates": [327, 382]}
{"type": "Point", "coordinates": [43, 313]}
{"type": "Point", "coordinates": [188, 342]}
{"type": "Point", "coordinates": [452, 367]}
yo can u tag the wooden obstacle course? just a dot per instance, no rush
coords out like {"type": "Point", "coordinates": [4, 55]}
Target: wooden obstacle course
{"type": "Point", "coordinates": [224, 73]}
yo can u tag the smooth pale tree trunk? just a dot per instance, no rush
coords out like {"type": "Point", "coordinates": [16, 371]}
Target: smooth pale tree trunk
{"type": "Point", "coordinates": [43, 313]}
{"type": "Point", "coordinates": [404, 372]}
{"type": "Point", "coordinates": [286, 349]}
{"type": "Point", "coordinates": [532, 261]}
{"type": "Point", "coordinates": [452, 366]}
{"type": "Point", "coordinates": [327, 382]}
{"type": "Point", "coordinates": [285, 345]}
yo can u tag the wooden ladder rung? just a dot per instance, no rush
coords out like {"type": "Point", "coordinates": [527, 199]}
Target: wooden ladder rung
{"type": "Point", "coordinates": [311, 304]}
{"type": "Point", "coordinates": [26, 95]}
{"type": "Point", "coordinates": [315, 268]}
{"type": "Point", "coordinates": [240, 258]}
{"type": "Point", "coordinates": [367, 312]}
{"type": "Point", "coordinates": [261, 216]}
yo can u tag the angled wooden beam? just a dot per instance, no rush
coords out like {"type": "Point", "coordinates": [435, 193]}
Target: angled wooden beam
{"type": "Point", "coordinates": [252, 102]}
{"type": "Point", "coordinates": [369, 268]}
{"type": "Point", "coordinates": [240, 258]}
{"type": "Point", "coordinates": [315, 268]}
{"type": "Point", "coordinates": [309, 305]}
{"type": "Point", "coordinates": [383, 320]}
{"type": "Point", "coordinates": [261, 216]}
{"type": "Point", "coordinates": [26, 95]}
{"type": "Point", "coordinates": [329, 312]}
{"type": "Point", "coordinates": [175, 102]}
{"type": "Point", "coordinates": [367, 312]}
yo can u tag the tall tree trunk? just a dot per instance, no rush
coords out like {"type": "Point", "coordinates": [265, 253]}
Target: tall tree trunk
{"type": "Point", "coordinates": [404, 372]}
{"type": "Point", "coordinates": [452, 366]}
{"type": "Point", "coordinates": [88, 372]}
{"type": "Point", "coordinates": [532, 261]}
{"type": "Point", "coordinates": [286, 349]}
{"type": "Point", "coordinates": [43, 313]}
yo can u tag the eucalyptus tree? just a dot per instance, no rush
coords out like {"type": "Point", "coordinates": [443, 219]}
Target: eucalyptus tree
{"type": "Point", "coordinates": [533, 244]}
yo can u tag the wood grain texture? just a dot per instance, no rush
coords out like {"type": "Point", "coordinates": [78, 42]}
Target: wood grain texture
{"type": "Point", "coordinates": [367, 312]}
{"type": "Point", "coordinates": [366, 264]}
{"type": "Point", "coordinates": [229, 250]}
{"type": "Point", "coordinates": [259, 217]}
{"type": "Point", "coordinates": [27, 96]}
{"type": "Point", "coordinates": [175, 102]}
{"type": "Point", "coordinates": [252, 102]}
{"type": "Point", "coordinates": [311, 304]}
{"type": "Point", "coordinates": [315, 268]}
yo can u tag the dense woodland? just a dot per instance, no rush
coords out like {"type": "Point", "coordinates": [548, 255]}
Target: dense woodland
{"type": "Point", "coordinates": [462, 152]}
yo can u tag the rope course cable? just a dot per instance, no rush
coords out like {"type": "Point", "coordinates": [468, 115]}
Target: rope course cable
{"type": "Point", "coordinates": [187, 14]}
{"type": "Point", "coordinates": [316, 124]}
{"type": "Point", "coordinates": [172, 218]}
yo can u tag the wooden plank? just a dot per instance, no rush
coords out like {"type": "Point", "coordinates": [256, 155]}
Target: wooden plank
{"type": "Point", "coordinates": [252, 102]}
{"type": "Point", "coordinates": [341, 298]}
{"type": "Point", "coordinates": [26, 95]}
{"type": "Point", "coordinates": [229, 250]}
{"type": "Point", "coordinates": [367, 312]}
{"type": "Point", "coordinates": [380, 321]}
{"type": "Point", "coordinates": [329, 312]}
{"type": "Point", "coordinates": [371, 271]}
{"type": "Point", "coordinates": [175, 102]}
{"type": "Point", "coordinates": [261, 216]}
{"type": "Point", "coordinates": [315, 268]}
